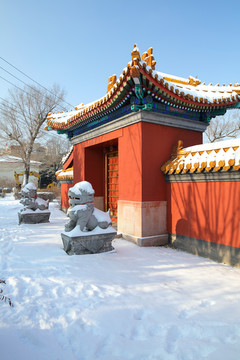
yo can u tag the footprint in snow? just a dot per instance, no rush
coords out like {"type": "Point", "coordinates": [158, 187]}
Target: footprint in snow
{"type": "Point", "coordinates": [141, 331]}
{"type": "Point", "coordinates": [173, 335]}
{"type": "Point", "coordinates": [193, 310]}
{"type": "Point", "coordinates": [6, 247]}
{"type": "Point", "coordinates": [141, 314]}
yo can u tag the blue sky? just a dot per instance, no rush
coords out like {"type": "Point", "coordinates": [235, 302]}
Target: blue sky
{"type": "Point", "coordinates": [79, 44]}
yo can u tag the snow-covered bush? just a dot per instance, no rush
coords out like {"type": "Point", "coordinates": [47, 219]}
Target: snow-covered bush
{"type": "Point", "coordinates": [5, 298]}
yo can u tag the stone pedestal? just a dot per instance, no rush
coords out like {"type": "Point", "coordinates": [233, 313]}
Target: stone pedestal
{"type": "Point", "coordinates": [144, 223]}
{"type": "Point", "coordinates": [34, 217]}
{"type": "Point", "coordinates": [88, 244]}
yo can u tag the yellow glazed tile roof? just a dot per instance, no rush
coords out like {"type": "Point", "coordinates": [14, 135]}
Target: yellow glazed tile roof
{"type": "Point", "coordinates": [224, 155]}
{"type": "Point", "coordinates": [189, 93]}
{"type": "Point", "coordinates": [64, 174]}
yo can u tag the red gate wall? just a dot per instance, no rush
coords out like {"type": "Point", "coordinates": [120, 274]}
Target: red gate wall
{"type": "Point", "coordinates": [143, 148]}
{"type": "Point", "coordinates": [208, 211]}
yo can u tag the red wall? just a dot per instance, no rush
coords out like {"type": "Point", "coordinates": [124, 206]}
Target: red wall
{"type": "Point", "coordinates": [158, 142]}
{"type": "Point", "coordinates": [207, 211]}
{"type": "Point", "coordinates": [94, 169]}
{"type": "Point", "coordinates": [130, 163]}
{"type": "Point", "coordinates": [69, 162]}
{"type": "Point", "coordinates": [64, 195]}
{"type": "Point", "coordinates": [84, 170]}
{"type": "Point", "coordinates": [89, 161]}
{"type": "Point", "coordinates": [78, 163]}
{"type": "Point", "coordinates": [143, 148]}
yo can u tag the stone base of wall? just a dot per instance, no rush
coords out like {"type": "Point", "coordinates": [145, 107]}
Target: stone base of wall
{"type": "Point", "coordinates": [218, 252]}
{"type": "Point", "coordinates": [157, 240]}
{"type": "Point", "coordinates": [143, 223]}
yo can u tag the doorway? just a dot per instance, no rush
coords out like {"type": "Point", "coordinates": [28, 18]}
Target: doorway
{"type": "Point", "coordinates": [111, 181]}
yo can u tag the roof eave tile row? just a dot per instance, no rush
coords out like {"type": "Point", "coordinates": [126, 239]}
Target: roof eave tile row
{"type": "Point", "coordinates": [189, 92]}
{"type": "Point", "coordinates": [64, 174]}
{"type": "Point", "coordinates": [188, 99]}
{"type": "Point", "coordinates": [109, 101]}
{"type": "Point", "coordinates": [223, 159]}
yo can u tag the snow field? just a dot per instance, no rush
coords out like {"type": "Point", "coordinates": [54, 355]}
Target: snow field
{"type": "Point", "coordinates": [132, 303]}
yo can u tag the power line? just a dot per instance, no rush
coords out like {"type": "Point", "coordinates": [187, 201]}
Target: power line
{"type": "Point", "coordinates": [14, 85]}
{"type": "Point", "coordinates": [16, 77]}
{"type": "Point", "coordinates": [47, 134]}
{"type": "Point", "coordinates": [21, 122]}
{"type": "Point", "coordinates": [15, 106]}
{"type": "Point", "coordinates": [36, 82]}
{"type": "Point", "coordinates": [24, 90]}
{"type": "Point", "coordinates": [34, 89]}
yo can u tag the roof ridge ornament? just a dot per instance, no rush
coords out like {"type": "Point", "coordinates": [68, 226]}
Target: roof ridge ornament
{"type": "Point", "coordinates": [135, 54]}
{"type": "Point", "coordinates": [194, 81]}
{"type": "Point", "coordinates": [134, 72]}
{"type": "Point", "coordinates": [148, 57]}
{"type": "Point", "coordinates": [177, 149]}
{"type": "Point", "coordinates": [111, 82]}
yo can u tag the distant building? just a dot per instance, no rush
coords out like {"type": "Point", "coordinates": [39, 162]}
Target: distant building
{"type": "Point", "coordinates": [38, 153]}
{"type": "Point", "coordinates": [65, 178]}
{"type": "Point", "coordinates": [9, 164]}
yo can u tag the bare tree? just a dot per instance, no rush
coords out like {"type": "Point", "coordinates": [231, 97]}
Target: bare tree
{"type": "Point", "coordinates": [221, 127]}
{"type": "Point", "coordinates": [55, 150]}
{"type": "Point", "coordinates": [23, 115]}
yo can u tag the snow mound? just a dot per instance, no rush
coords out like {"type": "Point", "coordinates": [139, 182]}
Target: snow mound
{"type": "Point", "coordinates": [102, 216]}
{"type": "Point", "coordinates": [130, 304]}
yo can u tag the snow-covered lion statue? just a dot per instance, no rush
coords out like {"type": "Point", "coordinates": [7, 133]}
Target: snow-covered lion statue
{"type": "Point", "coordinates": [30, 200]}
{"type": "Point", "coordinates": [82, 212]}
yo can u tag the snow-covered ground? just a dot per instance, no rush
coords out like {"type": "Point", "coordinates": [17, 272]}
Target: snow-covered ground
{"type": "Point", "coordinates": [133, 303]}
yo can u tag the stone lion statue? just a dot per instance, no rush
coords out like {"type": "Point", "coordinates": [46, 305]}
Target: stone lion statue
{"type": "Point", "coordinates": [81, 212]}
{"type": "Point", "coordinates": [30, 200]}
{"type": "Point", "coordinates": [35, 210]}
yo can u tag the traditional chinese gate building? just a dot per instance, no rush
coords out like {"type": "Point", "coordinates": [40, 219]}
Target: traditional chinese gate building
{"type": "Point", "coordinates": [121, 141]}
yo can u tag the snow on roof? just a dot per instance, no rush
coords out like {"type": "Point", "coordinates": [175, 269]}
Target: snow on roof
{"type": "Point", "coordinates": [64, 174]}
{"type": "Point", "coordinates": [200, 91]}
{"type": "Point", "coordinates": [65, 157]}
{"type": "Point", "coordinates": [191, 91]}
{"type": "Point", "coordinates": [15, 160]}
{"type": "Point", "coordinates": [215, 145]}
{"type": "Point", "coordinates": [172, 77]}
{"type": "Point", "coordinates": [223, 155]}
{"type": "Point", "coordinates": [71, 115]}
